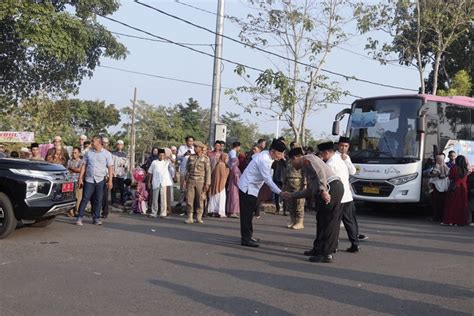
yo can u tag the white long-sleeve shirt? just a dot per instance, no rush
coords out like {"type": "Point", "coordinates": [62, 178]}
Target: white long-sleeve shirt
{"type": "Point", "coordinates": [340, 169]}
{"type": "Point", "coordinates": [350, 166]}
{"type": "Point", "coordinates": [182, 159]}
{"type": "Point", "coordinates": [160, 171]}
{"type": "Point", "coordinates": [258, 172]}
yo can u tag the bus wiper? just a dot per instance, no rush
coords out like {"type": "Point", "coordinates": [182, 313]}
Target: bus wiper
{"type": "Point", "coordinates": [386, 153]}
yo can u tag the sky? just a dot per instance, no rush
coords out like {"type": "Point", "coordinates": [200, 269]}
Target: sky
{"type": "Point", "coordinates": [168, 60]}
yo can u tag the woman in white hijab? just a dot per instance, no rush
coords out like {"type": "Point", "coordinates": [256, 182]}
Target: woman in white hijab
{"type": "Point", "coordinates": [439, 183]}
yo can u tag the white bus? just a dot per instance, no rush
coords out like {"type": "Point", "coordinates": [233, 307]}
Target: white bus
{"type": "Point", "coordinates": [394, 138]}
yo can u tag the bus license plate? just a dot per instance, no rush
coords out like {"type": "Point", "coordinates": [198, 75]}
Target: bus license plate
{"type": "Point", "coordinates": [371, 190]}
{"type": "Point", "coordinates": [68, 187]}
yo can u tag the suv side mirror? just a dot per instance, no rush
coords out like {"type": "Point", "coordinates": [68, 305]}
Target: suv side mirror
{"type": "Point", "coordinates": [421, 124]}
{"type": "Point", "coordinates": [336, 128]}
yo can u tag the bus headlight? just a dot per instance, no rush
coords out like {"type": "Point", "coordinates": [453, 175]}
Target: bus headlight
{"type": "Point", "coordinates": [403, 179]}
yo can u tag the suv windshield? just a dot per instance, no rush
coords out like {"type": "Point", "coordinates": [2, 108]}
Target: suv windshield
{"type": "Point", "coordinates": [384, 131]}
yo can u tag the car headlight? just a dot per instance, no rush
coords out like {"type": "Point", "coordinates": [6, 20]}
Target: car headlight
{"type": "Point", "coordinates": [37, 189]}
{"type": "Point", "coordinates": [31, 188]}
{"type": "Point", "coordinates": [403, 179]}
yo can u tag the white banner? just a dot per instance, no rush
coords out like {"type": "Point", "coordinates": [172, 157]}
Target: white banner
{"type": "Point", "coordinates": [17, 137]}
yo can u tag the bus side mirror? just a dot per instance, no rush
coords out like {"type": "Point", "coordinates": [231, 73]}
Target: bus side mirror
{"type": "Point", "coordinates": [421, 124]}
{"type": "Point", "coordinates": [335, 128]}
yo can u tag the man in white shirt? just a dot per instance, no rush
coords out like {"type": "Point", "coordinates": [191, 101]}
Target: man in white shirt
{"type": "Point", "coordinates": [159, 180]}
{"type": "Point", "coordinates": [184, 152]}
{"type": "Point", "coordinates": [343, 149]}
{"type": "Point", "coordinates": [255, 175]}
{"type": "Point", "coordinates": [339, 167]}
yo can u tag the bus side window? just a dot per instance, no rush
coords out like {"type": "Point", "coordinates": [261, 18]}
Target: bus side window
{"type": "Point", "coordinates": [431, 138]}
{"type": "Point", "coordinates": [463, 123]}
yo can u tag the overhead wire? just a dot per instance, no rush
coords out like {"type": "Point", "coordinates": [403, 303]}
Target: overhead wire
{"type": "Point", "coordinates": [185, 81]}
{"type": "Point", "coordinates": [347, 77]}
{"type": "Point", "coordinates": [158, 76]}
{"type": "Point", "coordinates": [207, 54]}
{"type": "Point", "coordinates": [157, 40]}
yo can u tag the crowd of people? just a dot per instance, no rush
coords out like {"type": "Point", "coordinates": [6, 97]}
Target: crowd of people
{"type": "Point", "coordinates": [452, 185]}
{"type": "Point", "coordinates": [235, 184]}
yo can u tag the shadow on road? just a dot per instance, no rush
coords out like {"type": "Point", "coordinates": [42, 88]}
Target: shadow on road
{"type": "Point", "coordinates": [233, 305]}
{"type": "Point", "coordinates": [350, 295]}
{"type": "Point", "coordinates": [396, 282]}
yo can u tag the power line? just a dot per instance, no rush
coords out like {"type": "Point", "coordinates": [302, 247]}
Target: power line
{"type": "Point", "coordinates": [280, 45]}
{"type": "Point", "coordinates": [201, 9]}
{"type": "Point", "coordinates": [347, 77]}
{"type": "Point", "coordinates": [156, 40]}
{"type": "Point", "coordinates": [158, 76]}
{"type": "Point", "coordinates": [205, 53]}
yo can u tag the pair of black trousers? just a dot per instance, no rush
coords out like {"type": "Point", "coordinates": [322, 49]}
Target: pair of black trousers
{"type": "Point", "coordinates": [248, 205]}
{"type": "Point", "coordinates": [118, 187]}
{"type": "Point", "coordinates": [328, 219]}
{"type": "Point", "coordinates": [348, 218]}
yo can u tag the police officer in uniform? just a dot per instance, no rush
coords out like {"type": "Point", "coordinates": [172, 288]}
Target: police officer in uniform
{"type": "Point", "coordinates": [197, 182]}
{"type": "Point", "coordinates": [294, 182]}
{"type": "Point", "coordinates": [327, 189]}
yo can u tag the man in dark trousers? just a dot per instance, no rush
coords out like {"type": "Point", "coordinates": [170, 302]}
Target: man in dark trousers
{"type": "Point", "coordinates": [343, 147]}
{"type": "Point", "coordinates": [255, 175]}
{"type": "Point", "coordinates": [328, 154]}
{"type": "Point", "coordinates": [327, 189]}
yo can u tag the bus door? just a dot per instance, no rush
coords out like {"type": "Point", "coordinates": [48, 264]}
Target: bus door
{"type": "Point", "coordinates": [431, 149]}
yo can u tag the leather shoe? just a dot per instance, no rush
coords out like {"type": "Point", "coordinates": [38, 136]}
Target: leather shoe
{"type": "Point", "coordinates": [321, 258]}
{"type": "Point", "coordinates": [254, 239]}
{"type": "Point", "coordinates": [311, 253]}
{"type": "Point", "coordinates": [251, 244]}
{"type": "Point", "coordinates": [353, 248]}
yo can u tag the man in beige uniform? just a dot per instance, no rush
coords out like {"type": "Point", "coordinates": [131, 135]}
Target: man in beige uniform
{"type": "Point", "coordinates": [197, 182]}
{"type": "Point", "coordinates": [294, 182]}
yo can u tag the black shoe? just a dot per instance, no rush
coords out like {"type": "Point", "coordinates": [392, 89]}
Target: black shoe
{"type": "Point", "coordinates": [311, 253]}
{"type": "Point", "coordinates": [362, 237]}
{"type": "Point", "coordinates": [251, 244]}
{"type": "Point", "coordinates": [335, 250]}
{"type": "Point", "coordinates": [353, 248]}
{"type": "Point", "coordinates": [104, 215]}
{"type": "Point", "coordinates": [254, 239]}
{"type": "Point", "coordinates": [321, 258]}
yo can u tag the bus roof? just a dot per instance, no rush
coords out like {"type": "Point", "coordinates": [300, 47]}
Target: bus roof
{"type": "Point", "coordinates": [459, 100]}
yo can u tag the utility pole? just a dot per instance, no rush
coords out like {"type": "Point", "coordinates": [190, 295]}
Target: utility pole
{"type": "Point", "coordinates": [216, 79]}
{"type": "Point", "coordinates": [133, 136]}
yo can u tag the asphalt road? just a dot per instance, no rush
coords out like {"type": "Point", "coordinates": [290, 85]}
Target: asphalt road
{"type": "Point", "coordinates": [134, 265]}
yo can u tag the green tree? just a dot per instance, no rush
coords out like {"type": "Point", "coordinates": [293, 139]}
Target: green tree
{"type": "Point", "coordinates": [305, 32]}
{"type": "Point", "coordinates": [195, 120]}
{"type": "Point", "coordinates": [91, 117]}
{"type": "Point", "coordinates": [50, 46]}
{"type": "Point", "coordinates": [421, 31]}
{"type": "Point", "coordinates": [457, 57]}
{"type": "Point", "coordinates": [461, 85]}
{"type": "Point", "coordinates": [67, 118]}
{"type": "Point", "coordinates": [238, 130]}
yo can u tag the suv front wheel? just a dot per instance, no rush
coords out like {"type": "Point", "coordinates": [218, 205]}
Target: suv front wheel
{"type": "Point", "coordinates": [7, 217]}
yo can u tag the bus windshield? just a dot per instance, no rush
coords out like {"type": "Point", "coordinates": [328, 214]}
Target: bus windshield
{"type": "Point", "coordinates": [384, 131]}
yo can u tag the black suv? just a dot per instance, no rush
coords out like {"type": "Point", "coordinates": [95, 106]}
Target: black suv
{"type": "Point", "coordinates": [32, 193]}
